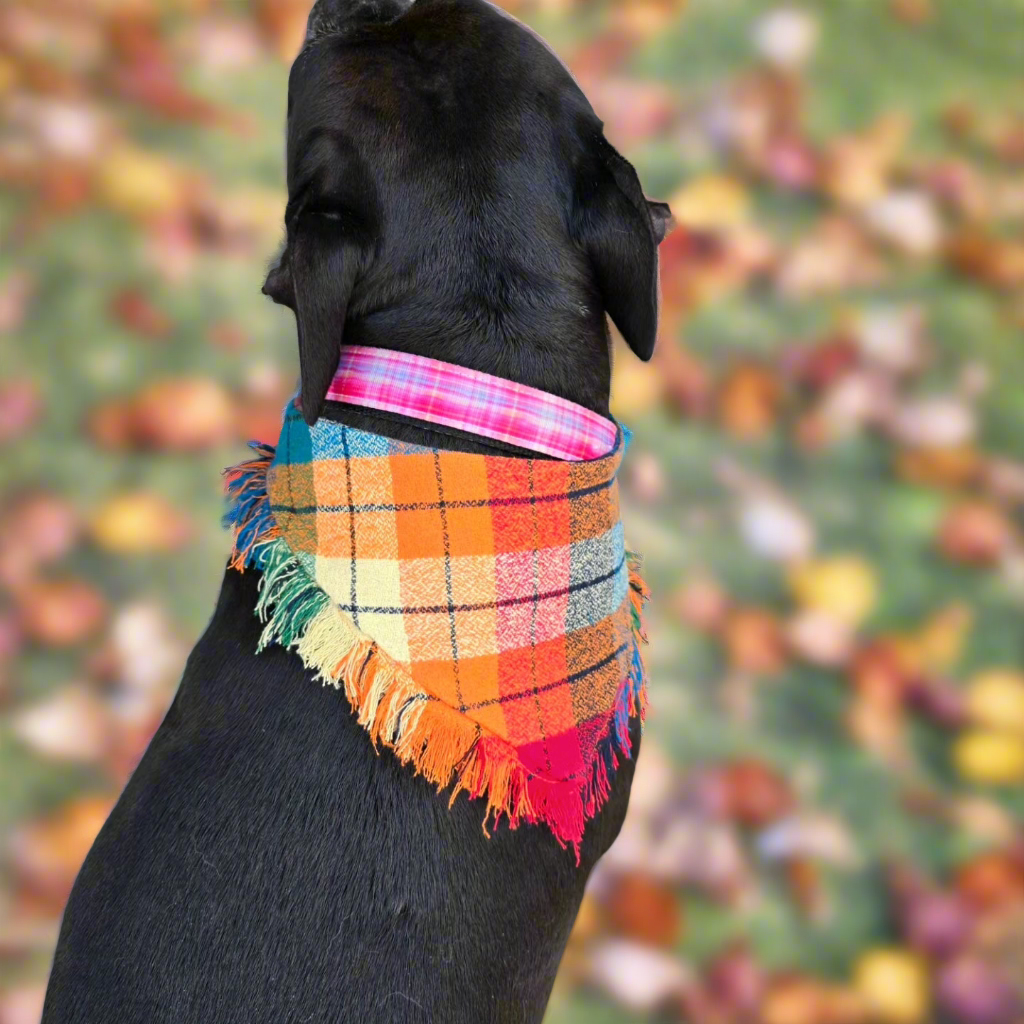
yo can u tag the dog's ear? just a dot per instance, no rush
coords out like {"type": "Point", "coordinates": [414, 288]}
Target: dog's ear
{"type": "Point", "coordinates": [620, 232]}
{"type": "Point", "coordinates": [661, 219]}
{"type": "Point", "coordinates": [314, 277]}
{"type": "Point", "coordinates": [332, 223]}
{"type": "Point", "coordinates": [324, 265]}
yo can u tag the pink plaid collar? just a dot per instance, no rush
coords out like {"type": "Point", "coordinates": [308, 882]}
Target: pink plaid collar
{"type": "Point", "coordinates": [453, 396]}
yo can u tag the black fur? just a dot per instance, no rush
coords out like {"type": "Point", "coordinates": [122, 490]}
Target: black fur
{"type": "Point", "coordinates": [451, 194]}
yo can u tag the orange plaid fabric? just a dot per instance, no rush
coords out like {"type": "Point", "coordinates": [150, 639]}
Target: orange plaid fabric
{"type": "Point", "coordinates": [480, 611]}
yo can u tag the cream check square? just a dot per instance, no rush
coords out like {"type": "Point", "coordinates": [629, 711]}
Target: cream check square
{"type": "Point", "coordinates": [389, 632]}
{"type": "Point", "coordinates": [335, 576]}
{"type": "Point", "coordinates": [378, 583]}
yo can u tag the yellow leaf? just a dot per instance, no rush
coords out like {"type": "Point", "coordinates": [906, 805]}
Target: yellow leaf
{"type": "Point", "coordinates": [844, 586]}
{"type": "Point", "coordinates": [137, 523]}
{"type": "Point", "coordinates": [636, 388]}
{"type": "Point", "coordinates": [894, 984]}
{"type": "Point", "coordinates": [138, 183]}
{"type": "Point", "coordinates": [995, 699]}
{"type": "Point", "coordinates": [990, 758]}
{"type": "Point", "coordinates": [711, 203]}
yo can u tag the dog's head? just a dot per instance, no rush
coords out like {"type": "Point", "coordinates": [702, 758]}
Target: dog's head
{"type": "Point", "coordinates": [444, 166]}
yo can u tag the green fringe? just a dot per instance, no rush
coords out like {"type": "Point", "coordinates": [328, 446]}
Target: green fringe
{"type": "Point", "coordinates": [289, 598]}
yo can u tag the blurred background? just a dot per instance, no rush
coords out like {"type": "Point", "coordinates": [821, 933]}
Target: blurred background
{"type": "Point", "coordinates": [827, 478]}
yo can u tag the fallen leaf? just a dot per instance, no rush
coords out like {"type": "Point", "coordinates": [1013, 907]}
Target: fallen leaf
{"type": "Point", "coordinates": [908, 221]}
{"type": "Point", "coordinates": [844, 586]}
{"type": "Point", "coordinates": [72, 725]}
{"type": "Point", "coordinates": [47, 853]}
{"type": "Point", "coordinates": [645, 910]}
{"type": "Point", "coordinates": [61, 613]}
{"type": "Point", "coordinates": [912, 12]}
{"type": "Point", "coordinates": [736, 980]}
{"type": "Point", "coordinates": [135, 311]}
{"type": "Point", "coordinates": [701, 603]}
{"type": "Point", "coordinates": [857, 168]}
{"type": "Point", "coordinates": [711, 203]}
{"type": "Point", "coordinates": [20, 407]}
{"type": "Point", "coordinates": [138, 183]}
{"type": "Point", "coordinates": [814, 835]}
{"type": "Point", "coordinates": [892, 337]}
{"type": "Point", "coordinates": [637, 388]}
{"type": "Point", "coordinates": [819, 638]}
{"type": "Point", "coordinates": [938, 421]}
{"type": "Point", "coordinates": [793, 999]}
{"type": "Point", "coordinates": [754, 641]}
{"type": "Point", "coordinates": [756, 794]}
{"type": "Point", "coordinates": [954, 466]}
{"type": "Point", "coordinates": [972, 991]}
{"type": "Point", "coordinates": [990, 758]}
{"type": "Point", "coordinates": [749, 401]}
{"type": "Point", "coordinates": [16, 292]}
{"type": "Point", "coordinates": [991, 880]}
{"type": "Point", "coordinates": [640, 979]}
{"type": "Point", "coordinates": [183, 414]}
{"type": "Point", "coordinates": [786, 37]}
{"type": "Point", "coordinates": [894, 984]}
{"type": "Point", "coordinates": [775, 528]}
{"type": "Point", "coordinates": [997, 262]}
{"type": "Point", "coordinates": [834, 257]}
{"type": "Point", "coordinates": [975, 533]}
{"type": "Point", "coordinates": [138, 523]}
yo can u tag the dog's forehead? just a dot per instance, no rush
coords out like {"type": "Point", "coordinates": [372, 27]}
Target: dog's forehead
{"type": "Point", "coordinates": [435, 42]}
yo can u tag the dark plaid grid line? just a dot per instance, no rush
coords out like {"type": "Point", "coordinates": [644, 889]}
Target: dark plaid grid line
{"type": "Point", "coordinates": [448, 577]}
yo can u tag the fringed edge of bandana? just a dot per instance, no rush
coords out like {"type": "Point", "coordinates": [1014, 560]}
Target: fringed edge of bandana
{"type": "Point", "coordinates": [442, 745]}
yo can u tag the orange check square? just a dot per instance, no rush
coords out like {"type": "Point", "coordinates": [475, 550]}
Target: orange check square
{"type": "Point", "coordinates": [470, 531]}
{"type": "Point", "coordinates": [464, 479]}
{"type": "Point", "coordinates": [508, 478]}
{"type": "Point", "coordinates": [491, 717]}
{"type": "Point", "coordinates": [591, 515]}
{"type": "Point", "coordinates": [419, 533]}
{"type": "Point", "coordinates": [556, 713]}
{"type": "Point", "coordinates": [375, 535]}
{"type": "Point", "coordinates": [478, 678]}
{"type": "Point", "coordinates": [371, 481]}
{"type": "Point", "coordinates": [475, 633]}
{"type": "Point", "coordinates": [512, 530]}
{"type": "Point", "coordinates": [334, 534]}
{"type": "Point", "coordinates": [437, 678]}
{"type": "Point", "coordinates": [423, 583]}
{"type": "Point", "coordinates": [330, 476]}
{"type": "Point", "coordinates": [552, 524]}
{"type": "Point", "coordinates": [430, 637]}
{"type": "Point", "coordinates": [417, 482]}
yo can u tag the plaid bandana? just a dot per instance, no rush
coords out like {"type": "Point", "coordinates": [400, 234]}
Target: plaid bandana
{"type": "Point", "coordinates": [453, 396]}
{"type": "Point", "coordinates": [480, 612]}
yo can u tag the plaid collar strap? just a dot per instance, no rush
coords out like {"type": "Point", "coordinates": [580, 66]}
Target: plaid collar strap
{"type": "Point", "coordinates": [480, 613]}
{"type": "Point", "coordinates": [453, 396]}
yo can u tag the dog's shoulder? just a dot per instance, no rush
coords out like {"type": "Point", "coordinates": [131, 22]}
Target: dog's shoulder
{"type": "Point", "coordinates": [265, 861]}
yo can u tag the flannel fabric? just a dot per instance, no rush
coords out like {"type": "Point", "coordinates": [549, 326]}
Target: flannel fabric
{"type": "Point", "coordinates": [481, 612]}
{"type": "Point", "coordinates": [469, 400]}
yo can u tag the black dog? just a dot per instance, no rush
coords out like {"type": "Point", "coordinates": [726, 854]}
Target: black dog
{"type": "Point", "coordinates": [450, 194]}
